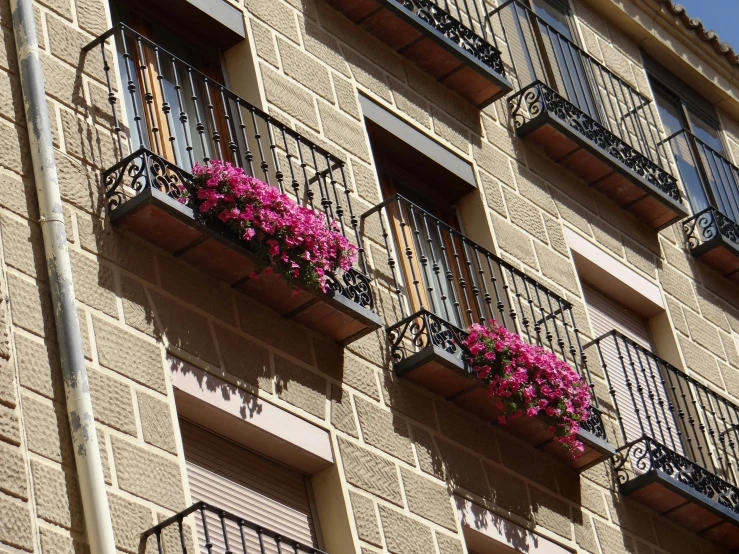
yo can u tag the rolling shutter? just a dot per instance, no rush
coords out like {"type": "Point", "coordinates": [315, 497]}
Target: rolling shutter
{"type": "Point", "coordinates": [242, 482]}
{"type": "Point", "coordinates": [605, 315]}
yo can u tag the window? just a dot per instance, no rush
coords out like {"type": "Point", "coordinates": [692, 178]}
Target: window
{"type": "Point", "coordinates": [175, 103]}
{"type": "Point", "coordinates": [694, 133]}
{"type": "Point", "coordinates": [565, 70]}
{"type": "Point", "coordinates": [229, 476]}
{"type": "Point", "coordinates": [431, 251]}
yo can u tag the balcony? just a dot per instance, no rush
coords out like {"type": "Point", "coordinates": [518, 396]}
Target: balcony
{"type": "Point", "coordinates": [454, 44]}
{"type": "Point", "coordinates": [586, 118]}
{"type": "Point", "coordinates": [217, 531]}
{"type": "Point", "coordinates": [678, 446]}
{"type": "Point", "coordinates": [443, 282]}
{"type": "Point", "coordinates": [712, 185]}
{"type": "Point", "coordinates": [179, 117]}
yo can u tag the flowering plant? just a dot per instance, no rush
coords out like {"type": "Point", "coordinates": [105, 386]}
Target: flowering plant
{"type": "Point", "coordinates": [290, 239]}
{"type": "Point", "coordinates": [529, 380]}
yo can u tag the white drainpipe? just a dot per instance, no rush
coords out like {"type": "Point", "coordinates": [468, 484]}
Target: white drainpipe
{"type": "Point", "coordinates": [79, 405]}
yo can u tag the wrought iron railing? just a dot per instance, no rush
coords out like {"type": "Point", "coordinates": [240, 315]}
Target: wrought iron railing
{"type": "Point", "coordinates": [552, 74]}
{"type": "Point", "coordinates": [711, 183]}
{"type": "Point", "coordinates": [220, 532]}
{"type": "Point", "coordinates": [668, 421]}
{"type": "Point", "coordinates": [179, 116]}
{"type": "Point", "coordinates": [463, 22]}
{"type": "Point", "coordinates": [444, 280]}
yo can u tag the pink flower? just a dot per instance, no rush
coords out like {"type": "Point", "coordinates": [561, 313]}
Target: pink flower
{"type": "Point", "coordinates": [528, 380]}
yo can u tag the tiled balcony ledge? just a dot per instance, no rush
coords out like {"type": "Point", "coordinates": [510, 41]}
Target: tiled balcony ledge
{"type": "Point", "coordinates": [604, 161]}
{"type": "Point", "coordinates": [436, 42]}
{"type": "Point", "coordinates": [435, 362]}
{"type": "Point", "coordinates": [344, 313]}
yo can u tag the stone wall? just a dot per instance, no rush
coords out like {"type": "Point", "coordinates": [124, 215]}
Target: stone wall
{"type": "Point", "coordinates": [402, 452]}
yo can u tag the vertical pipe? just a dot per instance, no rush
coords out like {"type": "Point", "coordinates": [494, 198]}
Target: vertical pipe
{"type": "Point", "coordinates": [77, 393]}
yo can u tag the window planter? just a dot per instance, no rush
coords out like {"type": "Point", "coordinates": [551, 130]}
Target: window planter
{"type": "Point", "coordinates": [345, 312]}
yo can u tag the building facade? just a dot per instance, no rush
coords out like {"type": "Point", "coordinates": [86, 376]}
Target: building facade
{"type": "Point", "coordinates": [563, 167]}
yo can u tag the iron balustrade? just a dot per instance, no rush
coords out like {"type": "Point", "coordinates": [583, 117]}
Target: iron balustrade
{"type": "Point", "coordinates": [180, 116]}
{"type": "Point", "coordinates": [464, 22]}
{"type": "Point", "coordinates": [553, 74]}
{"type": "Point", "coordinates": [444, 282]}
{"type": "Point", "coordinates": [668, 421]}
{"type": "Point", "coordinates": [221, 532]}
{"type": "Point", "coordinates": [712, 186]}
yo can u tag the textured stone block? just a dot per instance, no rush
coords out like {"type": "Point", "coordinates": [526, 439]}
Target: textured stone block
{"type": "Point", "coordinates": [129, 355]}
{"type": "Point", "coordinates": [361, 376]}
{"type": "Point", "coordinates": [98, 238]}
{"type": "Point", "coordinates": [679, 286]}
{"type": "Point", "coordinates": [9, 427]}
{"type": "Point", "coordinates": [370, 472]}
{"type": "Point", "coordinates": [700, 361]}
{"type": "Point", "coordinates": [613, 541]}
{"type": "Point", "coordinates": [47, 430]}
{"type": "Point", "coordinates": [300, 387]}
{"type": "Point", "coordinates": [148, 475]}
{"type": "Point", "coordinates": [557, 268]}
{"type": "Point", "coordinates": [137, 310]}
{"type": "Point", "coordinates": [77, 182]}
{"type": "Point", "coordinates": [429, 458]}
{"type": "Point", "coordinates": [551, 513]}
{"type": "Point", "coordinates": [199, 290]}
{"type": "Point", "coordinates": [704, 333]}
{"type": "Point", "coordinates": [584, 532]}
{"type": "Point", "coordinates": [91, 16]}
{"type": "Point", "coordinates": [129, 521]}
{"type": "Point", "coordinates": [404, 535]}
{"type": "Point", "coordinates": [346, 96]}
{"type": "Point", "coordinates": [7, 384]}
{"type": "Point", "coordinates": [368, 74]}
{"type": "Point", "coordinates": [112, 401]}
{"type": "Point", "coordinates": [428, 499]}
{"type": "Point", "coordinates": [538, 466]}
{"type": "Point", "coordinates": [385, 431]}
{"type": "Point", "coordinates": [102, 446]}
{"type": "Point", "coordinates": [448, 545]}
{"type": "Point", "coordinates": [342, 412]}
{"type": "Point", "coordinates": [39, 367]}
{"type": "Point", "coordinates": [57, 496]}
{"type": "Point", "coordinates": [323, 46]}
{"type": "Point", "coordinates": [514, 241]}
{"type": "Point", "coordinates": [56, 543]}
{"type": "Point", "coordinates": [463, 469]}
{"type": "Point", "coordinates": [344, 131]}
{"type": "Point", "coordinates": [416, 107]}
{"type": "Point", "coordinates": [305, 69]}
{"type": "Point", "coordinates": [276, 15]}
{"type": "Point", "coordinates": [509, 491]}
{"type": "Point", "coordinates": [23, 246]}
{"type": "Point", "coordinates": [16, 528]}
{"type": "Point", "coordinates": [14, 153]}
{"type": "Point", "coordinates": [461, 426]}
{"type": "Point", "coordinates": [156, 422]}
{"type": "Point", "coordinates": [185, 329]}
{"type": "Point", "coordinates": [13, 472]}
{"type": "Point", "coordinates": [31, 306]}
{"type": "Point", "coordinates": [365, 519]}
{"type": "Point", "coordinates": [93, 284]}
{"type": "Point", "coordinates": [268, 326]}
{"type": "Point", "coordinates": [407, 399]}
{"type": "Point", "coordinates": [244, 359]}
{"type": "Point", "coordinates": [264, 42]}
{"type": "Point", "coordinates": [289, 97]}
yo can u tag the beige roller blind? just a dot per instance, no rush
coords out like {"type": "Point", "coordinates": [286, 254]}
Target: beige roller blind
{"type": "Point", "coordinates": [248, 485]}
{"type": "Point", "coordinates": [644, 374]}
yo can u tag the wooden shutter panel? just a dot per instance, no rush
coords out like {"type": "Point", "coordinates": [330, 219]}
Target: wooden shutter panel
{"type": "Point", "coordinates": [246, 484]}
{"type": "Point", "coordinates": [605, 315]}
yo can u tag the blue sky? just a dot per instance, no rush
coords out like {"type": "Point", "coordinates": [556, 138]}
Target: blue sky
{"type": "Point", "coordinates": [721, 16]}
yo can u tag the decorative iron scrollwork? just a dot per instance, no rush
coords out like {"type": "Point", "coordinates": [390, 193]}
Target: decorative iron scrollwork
{"type": "Point", "coordinates": [353, 285]}
{"type": "Point", "coordinates": [645, 455]}
{"type": "Point", "coordinates": [452, 29]}
{"type": "Point", "coordinates": [141, 170]}
{"type": "Point", "coordinates": [421, 330]}
{"type": "Point", "coordinates": [594, 424]}
{"type": "Point", "coordinates": [538, 98]}
{"type": "Point", "coordinates": [707, 225]}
